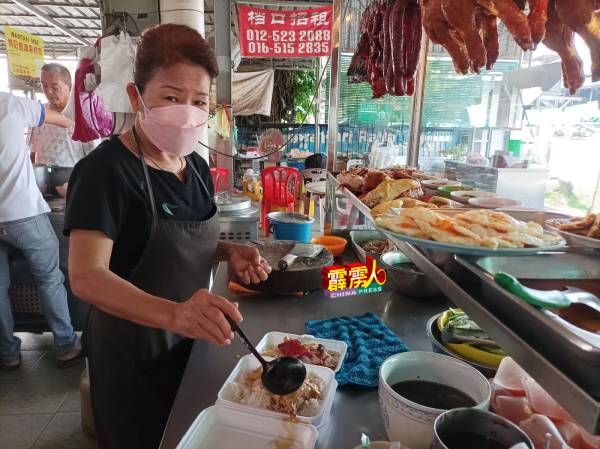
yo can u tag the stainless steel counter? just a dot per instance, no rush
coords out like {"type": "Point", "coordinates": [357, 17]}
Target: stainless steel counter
{"type": "Point", "coordinates": [355, 409]}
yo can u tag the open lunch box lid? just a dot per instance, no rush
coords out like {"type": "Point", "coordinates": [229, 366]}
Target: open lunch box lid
{"type": "Point", "coordinates": [223, 427]}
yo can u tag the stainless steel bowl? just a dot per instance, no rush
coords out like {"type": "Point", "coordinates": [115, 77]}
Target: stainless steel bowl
{"type": "Point", "coordinates": [437, 346]}
{"type": "Point", "coordinates": [406, 277]}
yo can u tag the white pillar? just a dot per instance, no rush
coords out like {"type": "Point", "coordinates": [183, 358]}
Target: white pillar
{"type": "Point", "coordinates": [190, 13]}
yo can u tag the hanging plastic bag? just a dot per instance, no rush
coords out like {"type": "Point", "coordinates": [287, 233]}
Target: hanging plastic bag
{"type": "Point", "coordinates": [92, 121]}
{"type": "Point", "coordinates": [221, 122]}
{"type": "Point", "coordinates": [116, 70]}
{"type": "Point", "coordinates": [89, 52]}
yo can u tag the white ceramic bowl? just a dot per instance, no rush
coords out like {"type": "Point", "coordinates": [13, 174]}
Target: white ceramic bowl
{"type": "Point", "coordinates": [493, 203]}
{"type": "Point", "coordinates": [412, 423]}
{"type": "Point", "coordinates": [464, 196]}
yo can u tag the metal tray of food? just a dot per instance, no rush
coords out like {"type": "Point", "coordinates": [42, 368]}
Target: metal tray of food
{"type": "Point", "coordinates": [359, 238]}
{"type": "Point", "coordinates": [575, 352]}
{"type": "Point", "coordinates": [446, 260]}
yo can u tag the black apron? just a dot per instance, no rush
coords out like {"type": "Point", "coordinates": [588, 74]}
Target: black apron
{"type": "Point", "coordinates": [135, 370]}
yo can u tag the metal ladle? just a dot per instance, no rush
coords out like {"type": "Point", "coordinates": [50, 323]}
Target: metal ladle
{"type": "Point", "coordinates": [280, 376]}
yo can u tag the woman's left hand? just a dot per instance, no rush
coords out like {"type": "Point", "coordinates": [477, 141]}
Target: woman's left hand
{"type": "Point", "coordinates": [247, 264]}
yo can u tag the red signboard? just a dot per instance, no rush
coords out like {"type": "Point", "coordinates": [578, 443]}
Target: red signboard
{"type": "Point", "coordinates": [285, 34]}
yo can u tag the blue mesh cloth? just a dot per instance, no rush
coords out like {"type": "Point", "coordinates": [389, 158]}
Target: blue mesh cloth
{"type": "Point", "coordinates": [369, 342]}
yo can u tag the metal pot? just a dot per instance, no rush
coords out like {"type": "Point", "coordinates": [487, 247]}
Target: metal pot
{"type": "Point", "coordinates": [42, 177]}
{"type": "Point", "coordinates": [406, 277]}
{"type": "Point", "coordinates": [58, 176]}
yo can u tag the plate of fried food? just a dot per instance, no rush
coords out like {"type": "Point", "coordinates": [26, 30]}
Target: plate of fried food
{"type": "Point", "coordinates": [474, 232]}
{"type": "Point", "coordinates": [580, 231]}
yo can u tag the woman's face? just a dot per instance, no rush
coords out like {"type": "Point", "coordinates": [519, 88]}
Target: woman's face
{"type": "Point", "coordinates": [179, 84]}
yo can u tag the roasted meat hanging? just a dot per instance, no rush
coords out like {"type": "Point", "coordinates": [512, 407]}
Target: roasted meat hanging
{"type": "Point", "coordinates": [439, 31]}
{"type": "Point", "coordinates": [514, 19]}
{"type": "Point", "coordinates": [387, 55]}
{"type": "Point", "coordinates": [562, 40]}
{"type": "Point", "coordinates": [388, 51]}
{"type": "Point", "coordinates": [583, 17]}
{"type": "Point", "coordinates": [462, 17]}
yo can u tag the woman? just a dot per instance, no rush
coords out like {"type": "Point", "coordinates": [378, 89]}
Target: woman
{"type": "Point", "coordinates": [143, 237]}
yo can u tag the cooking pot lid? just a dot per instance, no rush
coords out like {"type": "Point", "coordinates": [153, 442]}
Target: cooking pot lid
{"type": "Point", "coordinates": [227, 202]}
{"type": "Point", "coordinates": [289, 218]}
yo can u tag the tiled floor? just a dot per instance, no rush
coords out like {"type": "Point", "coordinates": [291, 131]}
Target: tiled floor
{"type": "Point", "coordinates": [39, 403]}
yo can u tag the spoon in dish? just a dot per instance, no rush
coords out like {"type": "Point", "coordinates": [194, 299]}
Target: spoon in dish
{"type": "Point", "coordinates": [280, 376]}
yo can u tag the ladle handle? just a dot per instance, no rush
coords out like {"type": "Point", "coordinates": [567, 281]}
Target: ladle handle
{"type": "Point", "coordinates": [249, 345]}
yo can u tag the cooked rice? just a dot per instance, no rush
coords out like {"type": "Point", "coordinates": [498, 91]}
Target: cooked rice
{"type": "Point", "coordinates": [306, 401]}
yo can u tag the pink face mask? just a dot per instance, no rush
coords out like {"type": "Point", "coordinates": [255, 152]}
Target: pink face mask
{"type": "Point", "coordinates": [173, 129]}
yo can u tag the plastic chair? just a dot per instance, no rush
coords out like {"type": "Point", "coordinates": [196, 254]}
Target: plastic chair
{"type": "Point", "coordinates": [312, 176]}
{"type": "Point", "coordinates": [280, 187]}
{"type": "Point", "coordinates": [220, 176]}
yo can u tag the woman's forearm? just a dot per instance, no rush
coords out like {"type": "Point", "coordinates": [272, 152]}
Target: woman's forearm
{"type": "Point", "coordinates": [116, 296]}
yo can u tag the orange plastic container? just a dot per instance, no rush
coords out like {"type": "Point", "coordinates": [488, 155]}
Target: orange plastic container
{"type": "Point", "coordinates": [335, 245]}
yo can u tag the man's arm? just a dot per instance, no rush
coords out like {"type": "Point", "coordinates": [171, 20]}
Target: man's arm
{"type": "Point", "coordinates": [56, 118]}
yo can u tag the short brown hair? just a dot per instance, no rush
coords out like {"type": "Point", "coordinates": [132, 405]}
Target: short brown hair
{"type": "Point", "coordinates": [169, 44]}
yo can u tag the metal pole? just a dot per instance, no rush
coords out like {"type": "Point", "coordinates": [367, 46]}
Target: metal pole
{"type": "Point", "coordinates": [223, 52]}
{"type": "Point", "coordinates": [334, 87]}
{"type": "Point", "coordinates": [317, 105]}
{"type": "Point", "coordinates": [414, 138]}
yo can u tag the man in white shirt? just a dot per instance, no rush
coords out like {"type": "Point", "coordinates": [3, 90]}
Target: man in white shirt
{"type": "Point", "coordinates": [52, 144]}
{"type": "Point", "coordinates": [25, 225]}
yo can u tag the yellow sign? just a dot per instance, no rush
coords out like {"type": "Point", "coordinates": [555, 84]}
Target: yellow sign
{"type": "Point", "coordinates": [25, 53]}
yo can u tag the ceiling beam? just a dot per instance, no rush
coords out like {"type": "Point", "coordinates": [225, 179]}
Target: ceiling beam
{"type": "Point", "coordinates": [56, 4]}
{"type": "Point", "coordinates": [28, 25]}
{"type": "Point", "coordinates": [60, 36]}
{"type": "Point", "coordinates": [49, 20]}
{"type": "Point", "coordinates": [23, 16]}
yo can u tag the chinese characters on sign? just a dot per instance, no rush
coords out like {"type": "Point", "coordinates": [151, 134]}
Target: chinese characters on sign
{"type": "Point", "coordinates": [285, 34]}
{"type": "Point", "coordinates": [25, 53]}
{"type": "Point", "coordinates": [354, 279]}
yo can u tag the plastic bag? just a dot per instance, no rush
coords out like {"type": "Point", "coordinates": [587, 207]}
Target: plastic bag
{"type": "Point", "coordinates": [116, 68]}
{"type": "Point", "coordinates": [91, 120]}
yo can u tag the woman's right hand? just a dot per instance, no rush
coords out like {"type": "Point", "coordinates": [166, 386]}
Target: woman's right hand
{"type": "Point", "coordinates": [203, 316]}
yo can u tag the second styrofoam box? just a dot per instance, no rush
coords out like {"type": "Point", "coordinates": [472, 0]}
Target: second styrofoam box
{"type": "Point", "coordinates": [272, 339]}
{"type": "Point", "coordinates": [249, 363]}
{"type": "Point", "coordinates": [225, 428]}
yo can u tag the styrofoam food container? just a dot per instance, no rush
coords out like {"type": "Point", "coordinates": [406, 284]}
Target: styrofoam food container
{"type": "Point", "coordinates": [226, 428]}
{"type": "Point", "coordinates": [249, 363]}
{"type": "Point", "coordinates": [271, 339]}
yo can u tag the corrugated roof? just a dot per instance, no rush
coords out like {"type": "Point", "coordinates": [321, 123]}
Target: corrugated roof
{"type": "Point", "coordinates": [63, 24]}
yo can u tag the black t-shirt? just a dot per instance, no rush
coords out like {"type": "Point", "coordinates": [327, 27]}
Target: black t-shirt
{"type": "Point", "coordinates": [107, 193]}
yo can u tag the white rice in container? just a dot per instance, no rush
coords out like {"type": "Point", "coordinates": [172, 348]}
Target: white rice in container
{"type": "Point", "coordinates": [306, 401]}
